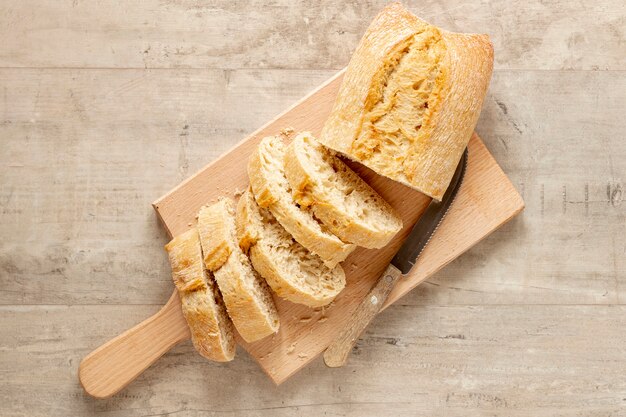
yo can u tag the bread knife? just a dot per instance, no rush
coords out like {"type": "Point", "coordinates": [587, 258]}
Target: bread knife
{"type": "Point", "coordinates": [336, 354]}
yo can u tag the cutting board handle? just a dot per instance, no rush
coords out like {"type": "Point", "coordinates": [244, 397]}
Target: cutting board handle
{"type": "Point", "coordinates": [112, 366]}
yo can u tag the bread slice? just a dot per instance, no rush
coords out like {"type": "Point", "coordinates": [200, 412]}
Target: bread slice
{"type": "Point", "coordinates": [212, 332]}
{"type": "Point", "coordinates": [346, 204]}
{"type": "Point", "coordinates": [291, 270]}
{"type": "Point", "coordinates": [272, 190]}
{"type": "Point", "coordinates": [247, 297]}
{"type": "Point", "coordinates": [214, 234]}
{"type": "Point", "coordinates": [410, 99]}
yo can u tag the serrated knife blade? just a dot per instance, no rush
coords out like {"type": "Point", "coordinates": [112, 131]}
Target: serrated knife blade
{"type": "Point", "coordinates": [428, 222]}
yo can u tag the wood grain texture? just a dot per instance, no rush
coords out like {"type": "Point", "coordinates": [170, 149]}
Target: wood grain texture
{"type": "Point", "coordinates": [98, 164]}
{"type": "Point", "coordinates": [287, 34]}
{"type": "Point", "coordinates": [486, 200]}
{"type": "Point", "coordinates": [506, 360]}
{"type": "Point", "coordinates": [529, 323]}
{"type": "Point", "coordinates": [336, 354]}
{"type": "Point", "coordinates": [117, 363]}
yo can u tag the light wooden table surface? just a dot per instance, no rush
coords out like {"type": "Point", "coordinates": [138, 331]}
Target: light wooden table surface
{"type": "Point", "coordinates": [107, 105]}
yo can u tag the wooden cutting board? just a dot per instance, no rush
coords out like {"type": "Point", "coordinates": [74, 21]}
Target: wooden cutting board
{"type": "Point", "coordinates": [486, 200]}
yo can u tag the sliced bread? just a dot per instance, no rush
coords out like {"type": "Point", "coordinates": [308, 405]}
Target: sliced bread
{"type": "Point", "coordinates": [346, 204]}
{"type": "Point", "coordinates": [292, 271]}
{"type": "Point", "coordinates": [410, 99]}
{"type": "Point", "coordinates": [247, 297]}
{"type": "Point", "coordinates": [212, 332]}
{"type": "Point", "coordinates": [272, 191]}
{"type": "Point", "coordinates": [214, 234]}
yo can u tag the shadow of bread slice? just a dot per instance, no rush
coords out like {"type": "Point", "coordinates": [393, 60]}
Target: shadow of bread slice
{"type": "Point", "coordinates": [247, 297]}
{"type": "Point", "coordinates": [272, 190]}
{"type": "Point", "coordinates": [346, 204]}
{"type": "Point", "coordinates": [291, 270]}
{"type": "Point", "coordinates": [212, 332]}
{"type": "Point", "coordinates": [410, 99]}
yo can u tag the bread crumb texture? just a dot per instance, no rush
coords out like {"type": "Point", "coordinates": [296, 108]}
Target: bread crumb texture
{"type": "Point", "coordinates": [339, 198]}
{"type": "Point", "coordinates": [410, 99]}
{"type": "Point", "coordinates": [212, 331]}
{"type": "Point", "coordinates": [403, 95]}
{"type": "Point", "coordinates": [287, 132]}
{"type": "Point", "coordinates": [293, 272]}
{"type": "Point", "coordinates": [266, 169]}
{"type": "Point", "coordinates": [246, 295]}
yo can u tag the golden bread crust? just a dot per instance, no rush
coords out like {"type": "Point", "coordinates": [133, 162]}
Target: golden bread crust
{"type": "Point", "coordinates": [410, 99]}
{"type": "Point", "coordinates": [247, 297]}
{"type": "Point", "coordinates": [266, 173]}
{"type": "Point", "coordinates": [254, 233]}
{"type": "Point", "coordinates": [212, 332]}
{"type": "Point", "coordinates": [214, 235]}
{"type": "Point", "coordinates": [342, 200]}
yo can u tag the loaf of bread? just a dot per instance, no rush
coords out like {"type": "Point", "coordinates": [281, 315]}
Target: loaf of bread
{"type": "Point", "coordinates": [247, 297]}
{"type": "Point", "coordinates": [271, 189]}
{"type": "Point", "coordinates": [410, 99]}
{"type": "Point", "coordinates": [212, 332]}
{"type": "Point", "coordinates": [291, 270]}
{"type": "Point", "coordinates": [346, 204]}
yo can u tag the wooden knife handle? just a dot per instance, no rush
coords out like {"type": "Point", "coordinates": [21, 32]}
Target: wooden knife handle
{"type": "Point", "coordinates": [337, 353]}
{"type": "Point", "coordinates": [112, 366]}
